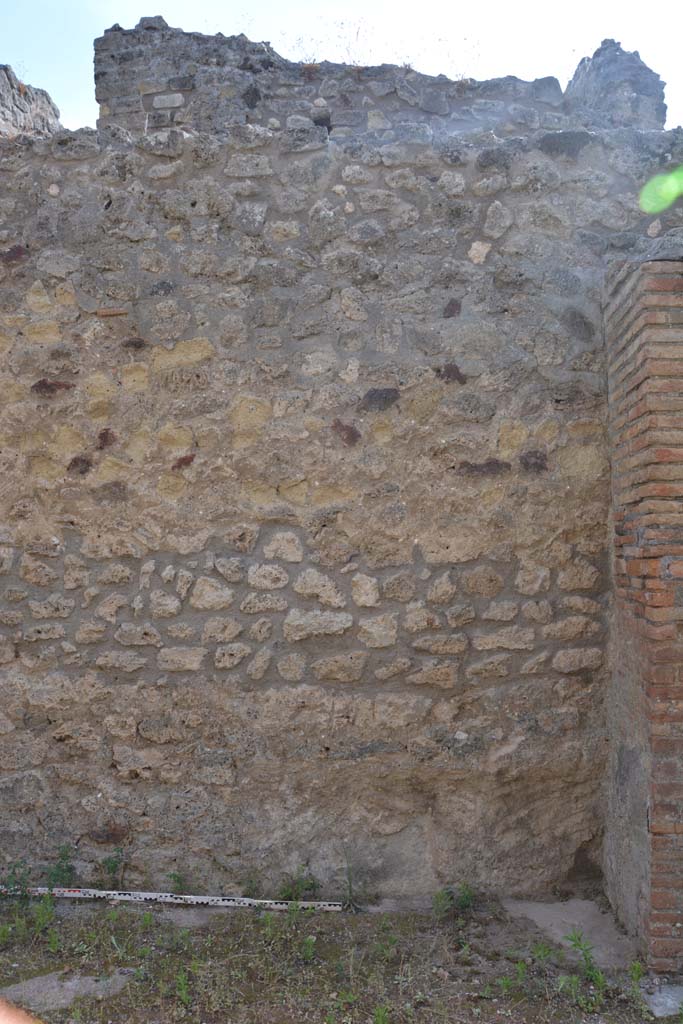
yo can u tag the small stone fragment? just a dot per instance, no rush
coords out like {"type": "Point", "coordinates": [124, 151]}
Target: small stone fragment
{"type": "Point", "coordinates": [537, 663]}
{"type": "Point", "coordinates": [255, 604]}
{"type": "Point", "coordinates": [418, 618]}
{"type": "Point", "coordinates": [7, 651]}
{"type": "Point", "coordinates": [110, 607]}
{"type": "Point", "coordinates": [512, 638]}
{"type": "Point", "coordinates": [478, 251]}
{"type": "Point", "coordinates": [312, 583]}
{"type": "Point", "coordinates": [261, 630]}
{"type": "Point", "coordinates": [380, 631]}
{"type": "Point", "coordinates": [498, 220]}
{"type": "Point", "coordinates": [242, 538]}
{"type": "Point", "coordinates": [34, 571]}
{"type": "Point", "coordinates": [442, 643]}
{"type": "Point", "coordinates": [181, 659]}
{"type": "Point", "coordinates": [578, 659]}
{"type": "Point", "coordinates": [121, 661]}
{"type": "Point", "coordinates": [532, 579]}
{"type": "Point", "coordinates": [365, 590]}
{"type": "Point", "coordinates": [393, 668]}
{"type": "Point", "coordinates": [267, 577]}
{"type": "Point", "coordinates": [221, 630]}
{"type": "Point", "coordinates": [460, 614]}
{"type": "Point", "coordinates": [284, 545]}
{"type": "Point", "coordinates": [210, 595]}
{"type": "Point", "coordinates": [399, 587]}
{"type": "Point", "coordinates": [259, 664]}
{"type": "Point", "coordinates": [483, 581]}
{"type": "Point", "coordinates": [379, 399]}
{"type": "Point", "coordinates": [443, 674]}
{"type": "Point", "coordinates": [231, 655]}
{"type": "Point", "coordinates": [292, 667]}
{"type": "Point", "coordinates": [131, 634]}
{"type": "Point", "coordinates": [76, 573]}
{"type": "Point", "coordinates": [495, 667]}
{"type": "Point", "coordinates": [343, 668]}
{"type": "Point", "coordinates": [579, 575]}
{"type": "Point", "coordinates": [300, 625]}
{"type": "Point", "coordinates": [163, 605]}
{"type": "Point", "coordinates": [90, 632]}
{"type": "Point", "coordinates": [231, 569]}
{"type": "Point", "coordinates": [46, 631]}
{"type": "Point", "coordinates": [537, 611]}
{"type": "Point", "coordinates": [442, 589]}
{"type": "Point", "coordinates": [54, 607]}
{"type": "Point", "coordinates": [571, 628]}
{"type": "Point", "coordinates": [501, 611]}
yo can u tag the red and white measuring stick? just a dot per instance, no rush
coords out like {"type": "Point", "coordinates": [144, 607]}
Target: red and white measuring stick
{"type": "Point", "coordinates": [170, 897]}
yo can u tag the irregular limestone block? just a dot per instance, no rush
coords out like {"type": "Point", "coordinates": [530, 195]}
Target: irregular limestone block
{"type": "Point", "coordinates": [301, 625]}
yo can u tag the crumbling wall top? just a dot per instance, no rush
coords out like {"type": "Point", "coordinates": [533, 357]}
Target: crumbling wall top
{"type": "Point", "coordinates": [23, 109]}
{"type": "Point", "coordinates": [153, 76]}
{"type": "Point", "coordinates": [621, 86]}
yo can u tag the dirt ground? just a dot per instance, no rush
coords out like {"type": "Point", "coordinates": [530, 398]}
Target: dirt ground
{"type": "Point", "coordinates": [467, 960]}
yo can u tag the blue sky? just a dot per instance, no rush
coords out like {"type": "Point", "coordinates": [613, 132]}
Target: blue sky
{"type": "Point", "coordinates": [49, 44]}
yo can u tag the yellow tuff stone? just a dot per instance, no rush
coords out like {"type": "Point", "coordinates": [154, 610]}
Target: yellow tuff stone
{"type": "Point", "coordinates": [175, 437]}
{"type": "Point", "coordinates": [135, 377]}
{"type": "Point", "coordinates": [12, 390]}
{"type": "Point", "coordinates": [43, 332]}
{"type": "Point", "coordinates": [423, 405]}
{"type": "Point", "coordinates": [250, 414]}
{"type": "Point", "coordinates": [37, 299]}
{"type": "Point", "coordinates": [260, 494]}
{"type": "Point", "coordinates": [140, 446]}
{"type": "Point", "coordinates": [66, 442]}
{"type": "Point", "coordinates": [185, 353]}
{"type": "Point", "coordinates": [382, 431]}
{"type": "Point", "coordinates": [109, 469]}
{"type": "Point", "coordinates": [33, 440]}
{"type": "Point", "coordinates": [547, 431]}
{"type": "Point", "coordinates": [42, 468]}
{"type": "Point", "coordinates": [511, 436]}
{"type": "Point", "coordinates": [171, 485]}
{"type": "Point", "coordinates": [328, 494]}
{"type": "Point", "coordinates": [583, 461]}
{"type": "Point", "coordinates": [295, 491]}
{"type": "Point", "coordinates": [100, 390]}
{"type": "Point", "coordinates": [582, 429]}
{"type": "Point", "coordinates": [65, 294]}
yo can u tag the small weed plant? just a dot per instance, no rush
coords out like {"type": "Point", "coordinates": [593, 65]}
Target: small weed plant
{"type": "Point", "coordinates": [62, 873]}
{"type": "Point", "coordinates": [182, 987]}
{"type": "Point", "coordinates": [453, 901]}
{"type": "Point", "coordinates": [586, 991]}
{"type": "Point", "coordinates": [43, 914]}
{"type": "Point", "coordinates": [114, 867]}
{"type": "Point", "coordinates": [179, 881]}
{"type": "Point", "coordinates": [299, 887]}
{"type": "Point", "coordinates": [17, 880]}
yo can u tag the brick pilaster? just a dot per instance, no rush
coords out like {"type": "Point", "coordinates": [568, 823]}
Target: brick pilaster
{"type": "Point", "coordinates": [644, 338]}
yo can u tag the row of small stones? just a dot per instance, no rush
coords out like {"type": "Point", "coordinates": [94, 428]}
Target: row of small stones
{"type": "Point", "coordinates": [376, 632]}
{"type": "Point", "coordinates": [209, 594]}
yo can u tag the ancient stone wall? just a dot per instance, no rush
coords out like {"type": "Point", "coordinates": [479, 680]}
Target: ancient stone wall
{"type": "Point", "coordinates": [305, 490]}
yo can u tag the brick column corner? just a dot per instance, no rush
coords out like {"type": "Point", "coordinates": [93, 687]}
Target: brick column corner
{"type": "Point", "coordinates": [644, 827]}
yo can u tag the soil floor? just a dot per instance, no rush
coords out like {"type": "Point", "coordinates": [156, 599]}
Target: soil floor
{"type": "Point", "coordinates": [465, 960]}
